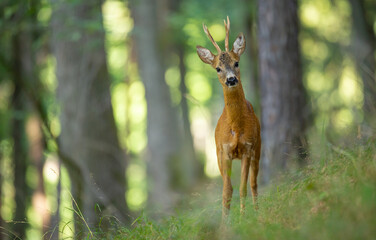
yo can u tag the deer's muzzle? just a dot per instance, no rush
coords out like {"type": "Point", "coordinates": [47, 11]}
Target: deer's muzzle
{"type": "Point", "coordinates": [232, 81]}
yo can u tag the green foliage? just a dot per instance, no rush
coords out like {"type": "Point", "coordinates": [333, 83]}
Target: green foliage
{"type": "Point", "coordinates": [331, 199]}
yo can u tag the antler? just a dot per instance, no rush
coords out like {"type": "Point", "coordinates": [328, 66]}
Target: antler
{"type": "Point", "coordinates": [211, 38]}
{"type": "Point", "coordinates": [227, 27]}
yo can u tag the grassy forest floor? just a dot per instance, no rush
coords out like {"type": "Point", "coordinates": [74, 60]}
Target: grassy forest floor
{"type": "Point", "coordinates": [334, 197]}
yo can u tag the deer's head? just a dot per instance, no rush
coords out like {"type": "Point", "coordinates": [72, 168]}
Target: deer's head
{"type": "Point", "coordinates": [226, 62]}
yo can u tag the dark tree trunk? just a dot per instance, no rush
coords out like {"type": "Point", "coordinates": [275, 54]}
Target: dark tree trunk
{"type": "Point", "coordinates": [2, 225]}
{"type": "Point", "coordinates": [363, 51]}
{"type": "Point", "coordinates": [20, 145]}
{"type": "Point", "coordinates": [191, 167]}
{"type": "Point", "coordinates": [283, 98]}
{"type": "Point", "coordinates": [3, 232]}
{"type": "Point", "coordinates": [24, 74]}
{"type": "Point", "coordinates": [194, 168]}
{"type": "Point", "coordinates": [254, 91]}
{"type": "Point", "coordinates": [88, 132]}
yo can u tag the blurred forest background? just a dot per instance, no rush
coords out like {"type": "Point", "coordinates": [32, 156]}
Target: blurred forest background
{"type": "Point", "coordinates": [106, 109]}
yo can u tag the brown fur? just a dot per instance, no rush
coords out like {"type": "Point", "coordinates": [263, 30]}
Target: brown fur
{"type": "Point", "coordinates": [237, 135]}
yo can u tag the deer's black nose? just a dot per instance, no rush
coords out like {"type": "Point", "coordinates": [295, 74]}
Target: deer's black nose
{"type": "Point", "coordinates": [232, 81]}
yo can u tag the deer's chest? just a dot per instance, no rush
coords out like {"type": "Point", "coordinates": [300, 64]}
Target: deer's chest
{"type": "Point", "coordinates": [237, 142]}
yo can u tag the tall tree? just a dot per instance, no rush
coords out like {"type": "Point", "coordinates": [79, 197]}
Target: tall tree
{"type": "Point", "coordinates": [363, 50]}
{"type": "Point", "coordinates": [23, 73]}
{"type": "Point", "coordinates": [23, 31]}
{"type": "Point", "coordinates": [20, 144]}
{"type": "Point", "coordinates": [162, 140]}
{"type": "Point", "coordinates": [164, 160]}
{"type": "Point", "coordinates": [283, 98]}
{"type": "Point", "coordinates": [252, 57]}
{"type": "Point", "coordinates": [2, 225]}
{"type": "Point", "coordinates": [88, 139]}
{"type": "Point", "coordinates": [194, 169]}
{"type": "Point", "coordinates": [17, 65]}
{"type": "Point", "coordinates": [190, 164]}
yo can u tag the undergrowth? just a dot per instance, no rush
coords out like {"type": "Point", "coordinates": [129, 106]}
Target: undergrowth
{"type": "Point", "coordinates": [334, 197]}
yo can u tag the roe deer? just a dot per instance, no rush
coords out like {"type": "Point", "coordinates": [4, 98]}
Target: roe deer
{"type": "Point", "coordinates": [237, 135]}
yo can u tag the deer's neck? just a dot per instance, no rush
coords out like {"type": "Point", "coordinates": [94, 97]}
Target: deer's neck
{"type": "Point", "coordinates": [235, 105]}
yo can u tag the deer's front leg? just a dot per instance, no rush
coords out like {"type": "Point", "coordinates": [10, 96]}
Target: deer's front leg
{"type": "Point", "coordinates": [227, 187]}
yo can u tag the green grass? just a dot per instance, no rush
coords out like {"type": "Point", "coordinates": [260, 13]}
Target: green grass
{"type": "Point", "coordinates": [332, 198]}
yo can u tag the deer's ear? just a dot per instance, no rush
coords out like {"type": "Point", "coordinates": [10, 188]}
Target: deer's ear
{"type": "Point", "coordinates": [239, 45]}
{"type": "Point", "coordinates": [205, 55]}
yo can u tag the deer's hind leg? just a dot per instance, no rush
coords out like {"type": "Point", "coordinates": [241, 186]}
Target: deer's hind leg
{"type": "Point", "coordinates": [243, 181]}
{"type": "Point", "coordinates": [255, 157]}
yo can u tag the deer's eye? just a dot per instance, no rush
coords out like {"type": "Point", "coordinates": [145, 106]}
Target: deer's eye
{"type": "Point", "coordinates": [218, 69]}
{"type": "Point", "coordinates": [236, 64]}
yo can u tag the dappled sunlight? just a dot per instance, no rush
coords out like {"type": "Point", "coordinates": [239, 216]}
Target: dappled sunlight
{"type": "Point", "coordinates": [51, 175]}
{"type": "Point", "coordinates": [194, 62]}
{"type": "Point", "coordinates": [117, 60]}
{"type": "Point", "coordinates": [47, 74]}
{"type": "Point", "coordinates": [172, 78]}
{"type": "Point", "coordinates": [128, 98]}
{"type": "Point", "coordinates": [211, 165]}
{"type": "Point", "coordinates": [38, 215]}
{"type": "Point", "coordinates": [343, 119]}
{"type": "Point", "coordinates": [117, 20]}
{"type": "Point", "coordinates": [328, 19]}
{"type": "Point", "coordinates": [136, 141]}
{"type": "Point", "coordinates": [193, 31]}
{"type": "Point", "coordinates": [203, 138]}
{"type": "Point", "coordinates": [310, 15]}
{"type": "Point", "coordinates": [131, 108]}
{"type": "Point", "coordinates": [331, 77]}
{"type": "Point", "coordinates": [137, 96]}
{"type": "Point", "coordinates": [314, 50]}
{"type": "Point", "coordinates": [51, 169]}
{"type": "Point", "coordinates": [317, 82]}
{"type": "Point", "coordinates": [44, 14]}
{"type": "Point", "coordinates": [218, 32]}
{"type": "Point", "coordinates": [335, 100]}
{"type": "Point", "coordinates": [199, 86]}
{"type": "Point", "coordinates": [55, 126]}
{"type": "Point", "coordinates": [136, 196]}
{"type": "Point", "coordinates": [66, 228]}
{"type": "Point", "coordinates": [349, 88]}
{"type": "Point", "coordinates": [120, 104]}
{"type": "Point", "coordinates": [200, 126]}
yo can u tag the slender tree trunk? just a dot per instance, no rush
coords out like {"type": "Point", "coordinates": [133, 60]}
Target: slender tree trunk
{"type": "Point", "coordinates": [363, 51]}
{"type": "Point", "coordinates": [194, 169]}
{"type": "Point", "coordinates": [284, 107]}
{"type": "Point", "coordinates": [191, 168]}
{"type": "Point", "coordinates": [23, 70]}
{"type": "Point", "coordinates": [249, 22]}
{"type": "Point", "coordinates": [2, 223]}
{"type": "Point", "coordinates": [88, 131]}
{"type": "Point", "coordinates": [20, 145]}
{"type": "Point", "coordinates": [162, 130]}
